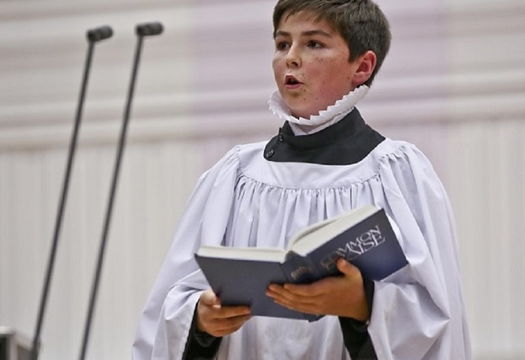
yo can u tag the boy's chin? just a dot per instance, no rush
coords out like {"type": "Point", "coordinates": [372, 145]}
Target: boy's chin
{"type": "Point", "coordinates": [302, 109]}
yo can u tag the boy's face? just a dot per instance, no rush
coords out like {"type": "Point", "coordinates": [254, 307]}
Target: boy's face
{"type": "Point", "coordinates": [311, 64]}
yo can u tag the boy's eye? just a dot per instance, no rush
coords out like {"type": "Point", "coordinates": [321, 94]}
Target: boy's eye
{"type": "Point", "coordinates": [281, 45]}
{"type": "Point", "coordinates": [314, 44]}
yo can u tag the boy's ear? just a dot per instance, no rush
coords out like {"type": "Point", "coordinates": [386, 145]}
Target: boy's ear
{"type": "Point", "coordinates": [366, 64]}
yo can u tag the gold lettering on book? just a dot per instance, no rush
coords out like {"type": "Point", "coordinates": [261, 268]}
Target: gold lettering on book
{"type": "Point", "coordinates": [300, 271]}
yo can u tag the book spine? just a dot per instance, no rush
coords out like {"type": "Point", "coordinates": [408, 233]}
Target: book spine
{"type": "Point", "coordinates": [298, 269]}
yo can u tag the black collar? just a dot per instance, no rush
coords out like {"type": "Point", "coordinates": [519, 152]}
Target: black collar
{"type": "Point", "coordinates": [347, 127]}
{"type": "Point", "coordinates": [346, 142]}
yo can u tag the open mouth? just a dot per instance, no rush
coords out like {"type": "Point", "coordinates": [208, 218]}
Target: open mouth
{"type": "Point", "coordinates": [291, 80]}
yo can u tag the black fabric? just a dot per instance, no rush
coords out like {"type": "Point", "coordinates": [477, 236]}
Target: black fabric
{"type": "Point", "coordinates": [346, 142]}
{"type": "Point", "coordinates": [200, 345]}
{"type": "Point", "coordinates": [355, 332]}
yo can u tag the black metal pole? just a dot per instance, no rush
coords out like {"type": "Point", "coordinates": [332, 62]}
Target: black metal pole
{"type": "Point", "coordinates": [61, 205]}
{"type": "Point", "coordinates": [93, 36]}
{"type": "Point", "coordinates": [141, 30]}
{"type": "Point", "coordinates": [109, 208]}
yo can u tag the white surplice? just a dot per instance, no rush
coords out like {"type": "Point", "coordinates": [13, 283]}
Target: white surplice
{"type": "Point", "coordinates": [246, 200]}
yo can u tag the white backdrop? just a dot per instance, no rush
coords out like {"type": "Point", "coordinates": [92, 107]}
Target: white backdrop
{"type": "Point", "coordinates": [453, 84]}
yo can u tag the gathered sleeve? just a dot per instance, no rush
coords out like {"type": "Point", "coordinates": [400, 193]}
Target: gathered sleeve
{"type": "Point", "coordinates": [418, 312]}
{"type": "Point", "coordinates": [167, 317]}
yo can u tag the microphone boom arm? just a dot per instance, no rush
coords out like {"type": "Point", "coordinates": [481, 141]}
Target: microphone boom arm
{"type": "Point", "coordinates": [142, 30]}
{"type": "Point", "coordinates": [93, 36]}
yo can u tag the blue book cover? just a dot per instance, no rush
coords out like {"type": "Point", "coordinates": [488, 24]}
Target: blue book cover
{"type": "Point", "coordinates": [240, 276]}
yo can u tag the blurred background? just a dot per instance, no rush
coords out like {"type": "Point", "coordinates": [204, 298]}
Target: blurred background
{"type": "Point", "coordinates": [453, 84]}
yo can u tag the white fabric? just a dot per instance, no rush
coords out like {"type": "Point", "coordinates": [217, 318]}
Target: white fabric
{"type": "Point", "coordinates": [325, 118]}
{"type": "Point", "coordinates": [244, 200]}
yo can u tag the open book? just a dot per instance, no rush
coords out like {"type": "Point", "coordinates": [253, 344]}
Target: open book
{"type": "Point", "coordinates": [240, 276]}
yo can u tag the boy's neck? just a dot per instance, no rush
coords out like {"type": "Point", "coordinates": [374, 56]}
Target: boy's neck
{"type": "Point", "coordinates": [325, 118]}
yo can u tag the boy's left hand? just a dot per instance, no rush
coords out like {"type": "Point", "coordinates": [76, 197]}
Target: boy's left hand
{"type": "Point", "coordinates": [337, 295]}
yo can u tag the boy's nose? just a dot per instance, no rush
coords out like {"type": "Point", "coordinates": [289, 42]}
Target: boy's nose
{"type": "Point", "coordinates": [293, 59]}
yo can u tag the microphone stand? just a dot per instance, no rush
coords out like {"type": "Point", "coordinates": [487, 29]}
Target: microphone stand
{"type": "Point", "coordinates": [93, 37]}
{"type": "Point", "coordinates": [142, 30]}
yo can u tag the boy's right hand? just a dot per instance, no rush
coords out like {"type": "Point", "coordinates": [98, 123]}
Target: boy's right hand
{"type": "Point", "coordinates": [219, 320]}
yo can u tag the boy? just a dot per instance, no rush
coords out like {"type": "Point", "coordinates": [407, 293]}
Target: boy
{"type": "Point", "coordinates": [324, 161]}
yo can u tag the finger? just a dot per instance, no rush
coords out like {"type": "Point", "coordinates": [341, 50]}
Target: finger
{"type": "Point", "coordinates": [225, 327]}
{"type": "Point", "coordinates": [305, 308]}
{"type": "Point", "coordinates": [291, 298]}
{"type": "Point", "coordinates": [226, 312]}
{"type": "Point", "coordinates": [315, 289]}
{"type": "Point", "coordinates": [347, 268]}
{"type": "Point", "coordinates": [231, 324]}
{"type": "Point", "coordinates": [240, 325]}
{"type": "Point", "coordinates": [222, 333]}
{"type": "Point", "coordinates": [290, 289]}
{"type": "Point", "coordinates": [212, 321]}
{"type": "Point", "coordinates": [209, 298]}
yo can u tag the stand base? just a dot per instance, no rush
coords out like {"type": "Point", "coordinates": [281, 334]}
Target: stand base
{"type": "Point", "coordinates": [13, 346]}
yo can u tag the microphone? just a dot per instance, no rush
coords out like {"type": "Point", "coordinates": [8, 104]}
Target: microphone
{"type": "Point", "coordinates": [93, 36]}
{"type": "Point", "coordinates": [142, 30]}
{"type": "Point", "coordinates": [149, 29]}
{"type": "Point", "coordinates": [100, 33]}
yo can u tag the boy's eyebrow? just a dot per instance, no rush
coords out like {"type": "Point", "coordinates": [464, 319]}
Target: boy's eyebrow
{"type": "Point", "coordinates": [304, 33]}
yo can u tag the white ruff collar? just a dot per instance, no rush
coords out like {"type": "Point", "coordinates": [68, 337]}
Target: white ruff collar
{"type": "Point", "coordinates": [325, 118]}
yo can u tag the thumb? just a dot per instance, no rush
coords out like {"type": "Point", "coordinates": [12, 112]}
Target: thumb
{"type": "Point", "coordinates": [209, 298]}
{"type": "Point", "coordinates": [347, 268]}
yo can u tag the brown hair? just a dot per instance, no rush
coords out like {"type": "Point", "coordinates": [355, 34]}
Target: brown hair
{"type": "Point", "coordinates": [360, 22]}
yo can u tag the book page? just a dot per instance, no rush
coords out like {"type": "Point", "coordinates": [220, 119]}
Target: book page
{"type": "Point", "coordinates": [305, 242]}
{"type": "Point", "coordinates": [302, 234]}
{"type": "Point", "coordinates": [258, 254]}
